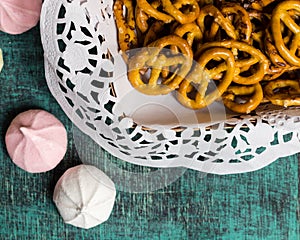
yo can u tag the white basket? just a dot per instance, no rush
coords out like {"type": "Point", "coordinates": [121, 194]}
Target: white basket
{"type": "Point", "coordinates": [83, 67]}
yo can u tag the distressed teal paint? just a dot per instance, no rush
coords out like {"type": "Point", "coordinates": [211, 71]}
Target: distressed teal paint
{"type": "Point", "coordinates": [255, 205]}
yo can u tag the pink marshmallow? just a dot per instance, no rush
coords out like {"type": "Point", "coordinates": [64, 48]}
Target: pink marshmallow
{"type": "Point", "coordinates": [36, 141]}
{"type": "Point", "coordinates": [18, 16]}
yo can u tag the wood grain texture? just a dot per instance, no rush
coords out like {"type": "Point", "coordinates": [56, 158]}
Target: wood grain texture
{"type": "Point", "coordinates": [256, 205]}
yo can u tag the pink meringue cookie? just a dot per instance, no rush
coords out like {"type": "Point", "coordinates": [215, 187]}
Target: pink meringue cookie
{"type": "Point", "coordinates": [18, 16]}
{"type": "Point", "coordinates": [36, 141]}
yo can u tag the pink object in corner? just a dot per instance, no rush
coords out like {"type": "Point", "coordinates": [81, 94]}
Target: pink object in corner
{"type": "Point", "coordinates": [36, 141]}
{"type": "Point", "coordinates": [18, 16]}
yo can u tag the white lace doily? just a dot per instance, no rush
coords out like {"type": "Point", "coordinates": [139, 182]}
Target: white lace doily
{"type": "Point", "coordinates": [87, 76]}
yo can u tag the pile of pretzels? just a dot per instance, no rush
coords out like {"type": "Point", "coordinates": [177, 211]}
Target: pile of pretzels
{"type": "Point", "coordinates": [243, 53]}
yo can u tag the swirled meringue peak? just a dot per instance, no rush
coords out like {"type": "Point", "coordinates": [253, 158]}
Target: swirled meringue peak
{"type": "Point", "coordinates": [18, 16]}
{"type": "Point", "coordinates": [36, 141]}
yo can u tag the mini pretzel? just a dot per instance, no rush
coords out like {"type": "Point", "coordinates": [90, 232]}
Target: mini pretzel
{"type": "Point", "coordinates": [259, 22]}
{"type": "Point", "coordinates": [275, 72]}
{"type": "Point", "coordinates": [154, 58]}
{"type": "Point", "coordinates": [240, 20]}
{"type": "Point", "coordinates": [152, 10]}
{"type": "Point", "coordinates": [126, 26]}
{"type": "Point", "coordinates": [191, 32]}
{"type": "Point", "coordinates": [260, 4]}
{"type": "Point", "coordinates": [256, 57]}
{"type": "Point", "coordinates": [253, 95]}
{"type": "Point", "coordinates": [201, 76]}
{"type": "Point", "coordinates": [141, 19]}
{"type": "Point", "coordinates": [153, 32]}
{"type": "Point", "coordinates": [278, 65]}
{"type": "Point", "coordinates": [219, 20]}
{"type": "Point", "coordinates": [283, 92]}
{"type": "Point", "coordinates": [283, 15]}
{"type": "Point", "coordinates": [272, 52]}
{"type": "Point", "coordinates": [183, 17]}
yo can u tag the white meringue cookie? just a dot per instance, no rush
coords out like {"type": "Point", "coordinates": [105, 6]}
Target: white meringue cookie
{"type": "Point", "coordinates": [84, 196]}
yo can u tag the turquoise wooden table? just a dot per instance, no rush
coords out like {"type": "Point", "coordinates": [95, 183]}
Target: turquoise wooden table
{"type": "Point", "coordinates": [256, 205]}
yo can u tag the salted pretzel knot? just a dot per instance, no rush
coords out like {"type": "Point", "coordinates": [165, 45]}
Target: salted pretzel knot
{"type": "Point", "coordinates": [254, 65]}
{"type": "Point", "coordinates": [141, 19]}
{"type": "Point", "coordinates": [174, 9]}
{"type": "Point", "coordinates": [283, 92]}
{"type": "Point", "coordinates": [259, 5]}
{"type": "Point", "coordinates": [190, 31]}
{"type": "Point", "coordinates": [210, 33]}
{"type": "Point", "coordinates": [278, 65]}
{"type": "Point", "coordinates": [259, 21]}
{"type": "Point", "coordinates": [146, 66]}
{"type": "Point", "coordinates": [252, 96]}
{"type": "Point", "coordinates": [240, 20]}
{"type": "Point", "coordinates": [284, 15]}
{"type": "Point", "coordinates": [272, 52]}
{"type": "Point", "coordinates": [152, 10]}
{"type": "Point", "coordinates": [153, 32]}
{"type": "Point", "coordinates": [126, 25]}
{"type": "Point", "coordinates": [194, 91]}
